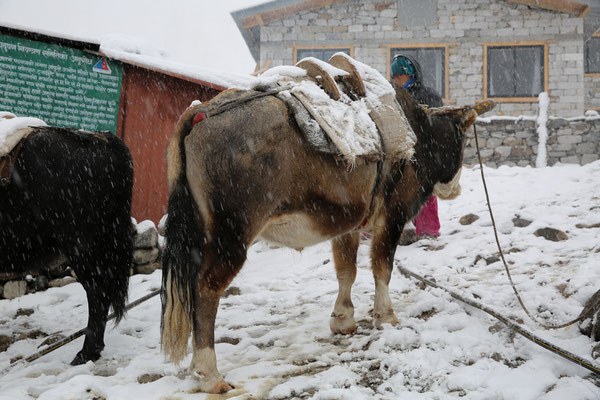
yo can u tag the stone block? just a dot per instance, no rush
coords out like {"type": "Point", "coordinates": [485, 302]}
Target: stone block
{"type": "Point", "coordinates": [364, 20]}
{"type": "Point", "coordinates": [570, 160]}
{"type": "Point", "coordinates": [570, 139]}
{"type": "Point", "coordinates": [470, 153]}
{"type": "Point", "coordinates": [562, 147]}
{"type": "Point", "coordinates": [588, 158]}
{"type": "Point", "coordinates": [145, 256]}
{"type": "Point", "coordinates": [146, 239]}
{"type": "Point", "coordinates": [60, 282]}
{"type": "Point", "coordinates": [524, 135]}
{"type": "Point", "coordinates": [493, 143]}
{"type": "Point", "coordinates": [556, 154]}
{"type": "Point", "coordinates": [487, 153]}
{"type": "Point", "coordinates": [579, 127]}
{"type": "Point", "coordinates": [521, 151]}
{"type": "Point", "coordinates": [586, 148]}
{"type": "Point", "coordinates": [512, 141]}
{"type": "Point", "coordinates": [14, 289]}
{"type": "Point", "coordinates": [340, 29]}
{"type": "Point", "coordinates": [147, 269]}
{"type": "Point", "coordinates": [504, 151]}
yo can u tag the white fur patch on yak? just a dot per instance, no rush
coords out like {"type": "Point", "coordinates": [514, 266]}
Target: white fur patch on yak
{"type": "Point", "coordinates": [293, 230]}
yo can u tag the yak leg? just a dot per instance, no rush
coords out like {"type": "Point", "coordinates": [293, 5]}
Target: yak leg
{"type": "Point", "coordinates": [218, 270]}
{"type": "Point", "coordinates": [204, 360]}
{"type": "Point", "coordinates": [345, 249]}
{"type": "Point", "coordinates": [98, 305]}
{"type": "Point", "coordinates": [382, 262]}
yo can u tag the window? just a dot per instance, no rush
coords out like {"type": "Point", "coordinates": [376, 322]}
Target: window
{"type": "Point", "coordinates": [592, 55]}
{"type": "Point", "coordinates": [323, 54]}
{"type": "Point", "coordinates": [433, 65]}
{"type": "Point", "coordinates": [516, 71]}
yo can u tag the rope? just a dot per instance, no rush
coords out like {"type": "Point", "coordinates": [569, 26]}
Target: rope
{"type": "Point", "coordinates": [516, 327]}
{"type": "Point", "coordinates": [586, 311]}
{"type": "Point", "coordinates": [73, 336]}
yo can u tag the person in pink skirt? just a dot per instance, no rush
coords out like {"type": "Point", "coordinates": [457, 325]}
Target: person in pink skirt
{"type": "Point", "coordinates": [406, 72]}
{"type": "Point", "coordinates": [428, 222]}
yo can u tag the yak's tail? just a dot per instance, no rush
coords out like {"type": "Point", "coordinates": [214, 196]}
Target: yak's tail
{"type": "Point", "coordinates": [183, 253]}
{"type": "Point", "coordinates": [123, 252]}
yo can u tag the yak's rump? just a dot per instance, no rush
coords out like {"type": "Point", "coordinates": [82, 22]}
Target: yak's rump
{"type": "Point", "coordinates": [70, 195]}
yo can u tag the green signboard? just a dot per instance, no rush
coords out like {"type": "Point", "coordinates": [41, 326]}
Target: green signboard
{"type": "Point", "coordinates": [62, 86]}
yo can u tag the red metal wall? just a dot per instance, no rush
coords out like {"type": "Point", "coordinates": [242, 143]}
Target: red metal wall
{"type": "Point", "coordinates": [151, 103]}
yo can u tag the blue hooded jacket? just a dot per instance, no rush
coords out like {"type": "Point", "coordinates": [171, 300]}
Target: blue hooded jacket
{"type": "Point", "coordinates": [422, 94]}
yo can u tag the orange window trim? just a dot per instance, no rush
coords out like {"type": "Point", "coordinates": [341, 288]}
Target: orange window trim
{"type": "Point", "coordinates": [326, 47]}
{"type": "Point", "coordinates": [513, 44]}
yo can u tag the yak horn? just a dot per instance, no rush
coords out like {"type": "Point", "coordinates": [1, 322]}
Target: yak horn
{"type": "Point", "coordinates": [459, 111]}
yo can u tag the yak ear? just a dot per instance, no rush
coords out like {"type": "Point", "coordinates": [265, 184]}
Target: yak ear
{"type": "Point", "coordinates": [467, 120]}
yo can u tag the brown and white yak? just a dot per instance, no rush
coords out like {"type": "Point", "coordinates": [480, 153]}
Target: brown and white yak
{"type": "Point", "coordinates": [248, 173]}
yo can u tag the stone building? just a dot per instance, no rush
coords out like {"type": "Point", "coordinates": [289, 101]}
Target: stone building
{"type": "Point", "coordinates": [470, 50]}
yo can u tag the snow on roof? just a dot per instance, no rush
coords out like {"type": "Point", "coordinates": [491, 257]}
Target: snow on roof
{"type": "Point", "coordinates": [139, 52]}
{"type": "Point", "coordinates": [128, 51]}
{"type": "Point", "coordinates": [49, 36]}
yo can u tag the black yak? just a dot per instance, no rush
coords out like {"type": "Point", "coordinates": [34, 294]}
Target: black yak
{"type": "Point", "coordinates": [70, 195]}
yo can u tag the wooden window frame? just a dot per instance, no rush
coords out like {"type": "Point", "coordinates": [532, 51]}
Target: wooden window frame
{"type": "Point", "coordinates": [596, 74]}
{"type": "Point", "coordinates": [325, 47]}
{"type": "Point", "coordinates": [544, 45]}
{"type": "Point", "coordinates": [444, 46]}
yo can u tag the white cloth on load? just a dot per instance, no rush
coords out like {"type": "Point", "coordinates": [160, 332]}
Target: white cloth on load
{"type": "Point", "coordinates": [347, 123]}
{"type": "Point", "coordinates": [12, 130]}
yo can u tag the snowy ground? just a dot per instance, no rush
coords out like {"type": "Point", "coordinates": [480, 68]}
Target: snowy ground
{"type": "Point", "coordinates": [273, 336]}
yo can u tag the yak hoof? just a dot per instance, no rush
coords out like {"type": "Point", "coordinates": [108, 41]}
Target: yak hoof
{"type": "Point", "coordinates": [208, 386]}
{"type": "Point", "coordinates": [220, 388]}
{"type": "Point", "coordinates": [213, 383]}
{"type": "Point", "coordinates": [341, 324]}
{"type": "Point", "coordinates": [81, 358]}
{"type": "Point", "coordinates": [389, 318]}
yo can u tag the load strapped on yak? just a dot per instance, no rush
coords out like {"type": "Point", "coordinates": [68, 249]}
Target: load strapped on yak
{"type": "Point", "coordinates": [342, 107]}
{"type": "Point", "coordinates": [352, 110]}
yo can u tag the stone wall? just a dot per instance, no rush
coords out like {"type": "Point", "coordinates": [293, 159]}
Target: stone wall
{"type": "Point", "coordinates": [146, 253]}
{"type": "Point", "coordinates": [463, 25]}
{"type": "Point", "coordinates": [514, 142]}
